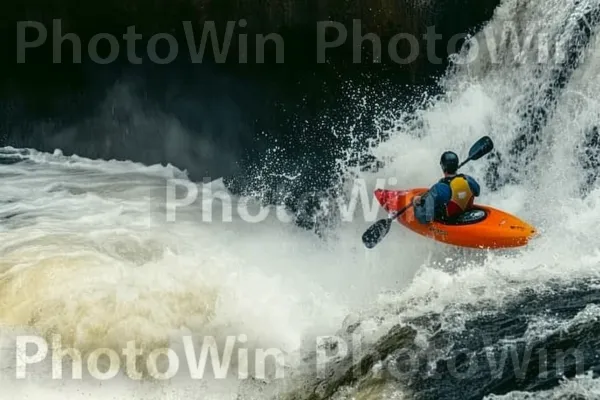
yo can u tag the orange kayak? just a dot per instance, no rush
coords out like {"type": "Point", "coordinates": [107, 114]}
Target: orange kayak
{"type": "Point", "coordinates": [482, 227]}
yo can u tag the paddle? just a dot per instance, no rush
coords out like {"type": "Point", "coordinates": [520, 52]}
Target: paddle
{"type": "Point", "coordinates": [380, 229]}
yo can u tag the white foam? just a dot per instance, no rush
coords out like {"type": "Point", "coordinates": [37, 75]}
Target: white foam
{"type": "Point", "coordinates": [87, 251]}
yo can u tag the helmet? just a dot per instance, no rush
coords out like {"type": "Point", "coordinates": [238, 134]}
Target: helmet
{"type": "Point", "coordinates": [449, 162]}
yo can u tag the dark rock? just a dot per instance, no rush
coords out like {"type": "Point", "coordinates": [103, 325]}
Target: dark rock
{"type": "Point", "coordinates": [345, 372]}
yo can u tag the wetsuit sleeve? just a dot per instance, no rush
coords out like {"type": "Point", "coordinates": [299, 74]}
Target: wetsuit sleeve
{"type": "Point", "coordinates": [441, 193]}
{"type": "Point", "coordinates": [474, 186]}
{"type": "Point", "coordinates": [433, 203]}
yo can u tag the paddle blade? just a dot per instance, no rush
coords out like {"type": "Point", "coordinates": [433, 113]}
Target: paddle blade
{"type": "Point", "coordinates": [376, 232]}
{"type": "Point", "coordinates": [481, 148]}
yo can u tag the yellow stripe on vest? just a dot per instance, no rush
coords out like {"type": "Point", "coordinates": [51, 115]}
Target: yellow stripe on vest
{"type": "Point", "coordinates": [461, 192]}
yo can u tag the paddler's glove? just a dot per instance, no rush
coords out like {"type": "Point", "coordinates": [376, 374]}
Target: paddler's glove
{"type": "Point", "coordinates": [418, 201]}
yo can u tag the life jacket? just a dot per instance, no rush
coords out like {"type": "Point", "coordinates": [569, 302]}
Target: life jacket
{"type": "Point", "coordinates": [461, 195]}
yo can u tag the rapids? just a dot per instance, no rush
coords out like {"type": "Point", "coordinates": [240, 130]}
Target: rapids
{"type": "Point", "coordinates": [90, 251]}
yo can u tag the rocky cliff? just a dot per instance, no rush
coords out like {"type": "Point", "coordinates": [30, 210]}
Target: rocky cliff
{"type": "Point", "coordinates": [295, 21]}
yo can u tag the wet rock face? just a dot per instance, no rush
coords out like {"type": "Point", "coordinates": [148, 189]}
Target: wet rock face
{"type": "Point", "coordinates": [352, 369]}
{"type": "Point", "coordinates": [49, 80]}
{"type": "Point", "coordinates": [531, 343]}
{"type": "Point", "coordinates": [41, 73]}
{"type": "Point", "coordinates": [296, 21]}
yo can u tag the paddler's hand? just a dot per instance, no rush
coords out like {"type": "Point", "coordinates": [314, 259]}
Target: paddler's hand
{"type": "Point", "coordinates": [417, 200]}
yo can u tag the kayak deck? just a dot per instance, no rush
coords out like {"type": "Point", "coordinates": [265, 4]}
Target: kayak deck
{"type": "Point", "coordinates": [483, 227]}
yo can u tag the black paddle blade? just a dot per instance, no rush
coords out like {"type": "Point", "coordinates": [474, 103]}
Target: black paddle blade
{"type": "Point", "coordinates": [481, 148]}
{"type": "Point", "coordinates": [376, 232]}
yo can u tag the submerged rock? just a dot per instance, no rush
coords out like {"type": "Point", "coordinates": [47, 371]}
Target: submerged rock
{"type": "Point", "coordinates": [354, 368]}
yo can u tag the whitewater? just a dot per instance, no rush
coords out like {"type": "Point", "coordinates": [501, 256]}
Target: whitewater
{"type": "Point", "coordinates": [88, 251]}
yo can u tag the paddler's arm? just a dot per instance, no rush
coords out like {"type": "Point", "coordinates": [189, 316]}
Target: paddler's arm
{"type": "Point", "coordinates": [435, 199]}
{"type": "Point", "coordinates": [439, 192]}
{"type": "Point", "coordinates": [474, 186]}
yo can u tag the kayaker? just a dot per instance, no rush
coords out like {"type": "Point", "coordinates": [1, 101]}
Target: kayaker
{"type": "Point", "coordinates": [450, 196]}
